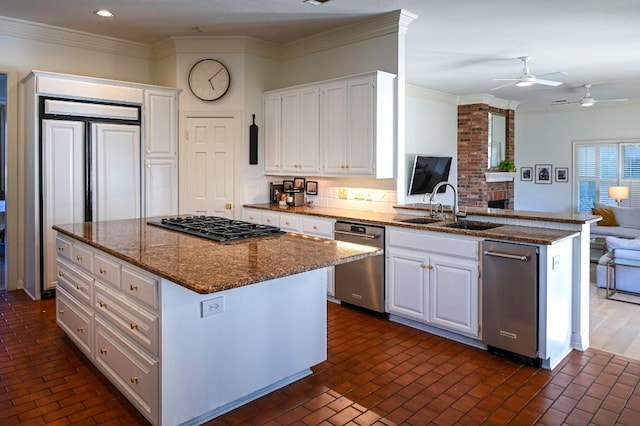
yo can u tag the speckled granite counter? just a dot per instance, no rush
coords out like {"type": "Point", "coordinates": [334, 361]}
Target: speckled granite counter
{"type": "Point", "coordinates": [205, 266]}
{"type": "Point", "coordinates": [525, 234]}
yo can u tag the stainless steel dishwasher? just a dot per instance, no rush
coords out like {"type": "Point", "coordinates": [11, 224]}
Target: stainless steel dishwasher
{"type": "Point", "coordinates": [361, 283]}
{"type": "Point", "coordinates": [510, 299]}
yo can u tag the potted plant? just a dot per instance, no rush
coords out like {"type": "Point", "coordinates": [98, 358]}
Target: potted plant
{"type": "Point", "coordinates": [507, 166]}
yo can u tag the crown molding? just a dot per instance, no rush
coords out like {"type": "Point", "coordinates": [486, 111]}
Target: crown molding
{"type": "Point", "coordinates": [388, 23]}
{"type": "Point", "coordinates": [487, 99]}
{"type": "Point", "coordinates": [216, 45]}
{"type": "Point", "coordinates": [429, 94]}
{"type": "Point", "coordinates": [57, 35]}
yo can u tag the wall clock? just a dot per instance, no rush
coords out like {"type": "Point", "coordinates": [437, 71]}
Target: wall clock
{"type": "Point", "coordinates": [209, 79]}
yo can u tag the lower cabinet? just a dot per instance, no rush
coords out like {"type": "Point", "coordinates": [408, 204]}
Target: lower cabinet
{"type": "Point", "coordinates": [109, 309]}
{"type": "Point", "coordinates": [434, 279]}
{"type": "Point", "coordinates": [304, 224]}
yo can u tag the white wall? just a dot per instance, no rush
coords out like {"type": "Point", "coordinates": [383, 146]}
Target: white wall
{"type": "Point", "coordinates": [431, 129]}
{"type": "Point", "coordinates": [546, 137]}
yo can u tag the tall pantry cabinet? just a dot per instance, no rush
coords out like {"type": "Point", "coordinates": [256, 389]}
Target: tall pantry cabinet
{"type": "Point", "coordinates": [94, 150]}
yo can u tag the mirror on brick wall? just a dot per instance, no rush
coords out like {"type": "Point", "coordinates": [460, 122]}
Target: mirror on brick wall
{"type": "Point", "coordinates": [497, 139]}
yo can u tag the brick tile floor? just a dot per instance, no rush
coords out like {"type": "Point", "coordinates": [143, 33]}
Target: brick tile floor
{"type": "Point", "coordinates": [377, 373]}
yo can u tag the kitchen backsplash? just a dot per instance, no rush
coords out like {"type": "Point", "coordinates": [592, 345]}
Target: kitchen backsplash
{"type": "Point", "coordinates": [343, 195]}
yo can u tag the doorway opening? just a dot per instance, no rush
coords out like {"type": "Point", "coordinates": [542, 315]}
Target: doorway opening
{"type": "Point", "coordinates": [3, 174]}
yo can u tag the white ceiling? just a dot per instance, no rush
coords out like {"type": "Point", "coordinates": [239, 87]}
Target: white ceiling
{"type": "Point", "coordinates": [455, 46]}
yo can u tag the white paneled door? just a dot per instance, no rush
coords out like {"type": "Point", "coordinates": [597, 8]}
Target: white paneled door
{"type": "Point", "coordinates": [116, 171]}
{"type": "Point", "coordinates": [210, 170]}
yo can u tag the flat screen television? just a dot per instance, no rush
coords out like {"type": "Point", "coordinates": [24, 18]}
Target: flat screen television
{"type": "Point", "coordinates": [427, 173]}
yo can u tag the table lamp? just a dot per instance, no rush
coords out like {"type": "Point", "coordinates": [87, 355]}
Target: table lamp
{"type": "Point", "coordinates": [619, 193]}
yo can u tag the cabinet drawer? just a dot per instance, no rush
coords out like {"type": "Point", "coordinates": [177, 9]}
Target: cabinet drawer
{"type": "Point", "coordinates": [271, 219]}
{"type": "Point", "coordinates": [142, 287]}
{"type": "Point", "coordinates": [433, 242]}
{"type": "Point", "coordinates": [82, 256]}
{"type": "Point", "coordinates": [133, 372]}
{"type": "Point", "coordinates": [319, 227]}
{"type": "Point", "coordinates": [133, 322]}
{"type": "Point", "coordinates": [251, 216]}
{"type": "Point", "coordinates": [289, 223]}
{"type": "Point", "coordinates": [63, 247]}
{"type": "Point", "coordinates": [75, 320]}
{"type": "Point", "coordinates": [74, 281]}
{"type": "Point", "coordinates": [107, 270]}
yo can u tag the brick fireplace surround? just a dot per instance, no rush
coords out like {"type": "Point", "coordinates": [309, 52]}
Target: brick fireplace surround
{"type": "Point", "coordinates": [473, 134]}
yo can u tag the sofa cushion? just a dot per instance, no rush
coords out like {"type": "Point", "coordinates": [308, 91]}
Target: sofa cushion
{"type": "Point", "coordinates": [622, 243]}
{"type": "Point", "coordinates": [614, 231]}
{"type": "Point", "coordinates": [627, 217]}
{"type": "Point", "coordinates": [608, 216]}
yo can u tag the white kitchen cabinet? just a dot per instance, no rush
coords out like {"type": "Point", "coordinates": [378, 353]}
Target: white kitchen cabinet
{"type": "Point", "coordinates": [292, 135]}
{"type": "Point", "coordinates": [453, 294]}
{"type": "Point", "coordinates": [433, 279]}
{"type": "Point", "coordinates": [408, 284]}
{"type": "Point", "coordinates": [357, 126]}
{"type": "Point", "coordinates": [109, 309]}
{"type": "Point", "coordinates": [133, 161]}
{"type": "Point", "coordinates": [160, 118]}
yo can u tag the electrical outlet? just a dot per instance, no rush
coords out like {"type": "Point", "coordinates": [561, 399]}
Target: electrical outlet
{"type": "Point", "coordinates": [343, 193]}
{"type": "Point", "coordinates": [212, 307]}
{"type": "Point", "coordinates": [368, 196]}
{"type": "Point", "coordinates": [358, 196]}
{"type": "Point", "coordinates": [556, 262]}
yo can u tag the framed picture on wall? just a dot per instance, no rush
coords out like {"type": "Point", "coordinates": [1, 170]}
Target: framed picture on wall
{"type": "Point", "coordinates": [543, 173]}
{"type": "Point", "coordinates": [526, 173]}
{"type": "Point", "coordinates": [562, 174]}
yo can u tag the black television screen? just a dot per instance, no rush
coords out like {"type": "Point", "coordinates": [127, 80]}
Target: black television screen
{"type": "Point", "coordinates": [427, 173]}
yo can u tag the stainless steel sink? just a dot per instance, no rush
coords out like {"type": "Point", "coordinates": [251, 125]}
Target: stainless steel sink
{"type": "Point", "coordinates": [472, 226]}
{"type": "Point", "coordinates": [420, 220]}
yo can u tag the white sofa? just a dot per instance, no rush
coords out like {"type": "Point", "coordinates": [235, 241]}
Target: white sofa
{"type": "Point", "coordinates": [628, 219]}
{"type": "Point", "coordinates": [625, 278]}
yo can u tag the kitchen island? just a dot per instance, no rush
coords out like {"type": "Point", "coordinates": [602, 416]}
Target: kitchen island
{"type": "Point", "coordinates": [187, 328]}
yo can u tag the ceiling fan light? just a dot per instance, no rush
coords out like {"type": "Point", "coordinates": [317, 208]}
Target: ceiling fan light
{"type": "Point", "coordinates": [103, 13]}
{"type": "Point", "coordinates": [524, 83]}
{"type": "Point", "coordinates": [587, 103]}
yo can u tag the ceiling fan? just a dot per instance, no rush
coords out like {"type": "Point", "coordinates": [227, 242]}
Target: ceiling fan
{"type": "Point", "coordinates": [528, 79]}
{"type": "Point", "coordinates": [587, 100]}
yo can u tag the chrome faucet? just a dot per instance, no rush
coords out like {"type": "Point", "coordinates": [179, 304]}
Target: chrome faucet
{"type": "Point", "coordinates": [456, 213]}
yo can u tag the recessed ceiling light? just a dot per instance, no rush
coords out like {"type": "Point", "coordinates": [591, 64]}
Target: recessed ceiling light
{"type": "Point", "coordinates": [103, 13]}
{"type": "Point", "coordinates": [315, 2]}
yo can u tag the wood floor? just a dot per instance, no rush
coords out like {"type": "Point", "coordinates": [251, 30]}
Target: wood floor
{"type": "Point", "coordinates": [614, 325]}
{"type": "Point", "coordinates": [377, 372]}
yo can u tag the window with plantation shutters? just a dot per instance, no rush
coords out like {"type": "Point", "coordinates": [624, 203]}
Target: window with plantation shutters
{"type": "Point", "coordinates": [601, 164]}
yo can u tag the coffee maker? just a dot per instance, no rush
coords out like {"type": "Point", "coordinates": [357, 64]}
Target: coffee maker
{"type": "Point", "coordinates": [295, 197]}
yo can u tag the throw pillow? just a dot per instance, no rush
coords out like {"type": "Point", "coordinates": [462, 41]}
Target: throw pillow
{"type": "Point", "coordinates": [627, 217]}
{"type": "Point", "coordinates": [608, 216]}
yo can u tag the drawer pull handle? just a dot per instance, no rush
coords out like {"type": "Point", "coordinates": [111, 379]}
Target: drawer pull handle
{"type": "Point", "coordinates": [78, 287]}
{"type": "Point", "coordinates": [61, 311]}
{"type": "Point", "coordinates": [315, 227]}
{"type": "Point", "coordinates": [80, 329]}
{"type": "Point", "coordinates": [134, 379]}
{"type": "Point", "coordinates": [134, 326]}
{"type": "Point", "coordinates": [60, 274]}
{"type": "Point", "coordinates": [133, 287]}
{"type": "Point", "coordinates": [79, 258]}
{"type": "Point", "coordinates": [103, 351]}
{"type": "Point", "coordinates": [102, 304]}
{"type": "Point", "coordinates": [60, 248]}
{"type": "Point", "coordinates": [103, 271]}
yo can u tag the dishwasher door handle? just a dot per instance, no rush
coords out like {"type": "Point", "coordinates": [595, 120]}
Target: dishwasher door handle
{"type": "Point", "coordinates": [355, 234]}
{"type": "Point", "coordinates": [506, 255]}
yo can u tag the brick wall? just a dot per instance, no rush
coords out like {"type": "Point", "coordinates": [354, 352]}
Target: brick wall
{"type": "Point", "coordinates": [473, 134]}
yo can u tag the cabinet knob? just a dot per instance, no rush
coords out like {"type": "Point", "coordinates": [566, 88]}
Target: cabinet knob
{"type": "Point", "coordinates": [102, 304]}
{"type": "Point", "coordinates": [133, 287]}
{"type": "Point", "coordinates": [79, 258]}
{"type": "Point", "coordinates": [268, 220]}
{"type": "Point", "coordinates": [134, 379]}
{"type": "Point", "coordinates": [315, 228]}
{"type": "Point", "coordinates": [78, 287]}
{"type": "Point", "coordinates": [103, 271]}
{"type": "Point", "coordinates": [342, 166]}
{"type": "Point", "coordinates": [80, 329]}
{"type": "Point", "coordinates": [61, 312]}
{"type": "Point", "coordinates": [148, 152]}
{"type": "Point", "coordinates": [430, 266]}
{"type": "Point", "coordinates": [286, 223]}
{"type": "Point", "coordinates": [60, 274]}
{"type": "Point", "coordinates": [103, 351]}
{"type": "Point", "coordinates": [133, 326]}
{"type": "Point", "coordinates": [60, 248]}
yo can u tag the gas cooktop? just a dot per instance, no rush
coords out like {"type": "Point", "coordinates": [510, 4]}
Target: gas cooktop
{"type": "Point", "coordinates": [216, 228]}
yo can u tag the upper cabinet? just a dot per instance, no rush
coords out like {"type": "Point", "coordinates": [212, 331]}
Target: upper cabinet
{"type": "Point", "coordinates": [334, 128]}
{"type": "Point", "coordinates": [161, 122]}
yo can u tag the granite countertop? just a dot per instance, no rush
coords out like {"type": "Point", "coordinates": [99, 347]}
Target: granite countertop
{"type": "Point", "coordinates": [205, 266]}
{"type": "Point", "coordinates": [577, 218]}
{"type": "Point", "coordinates": [516, 233]}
